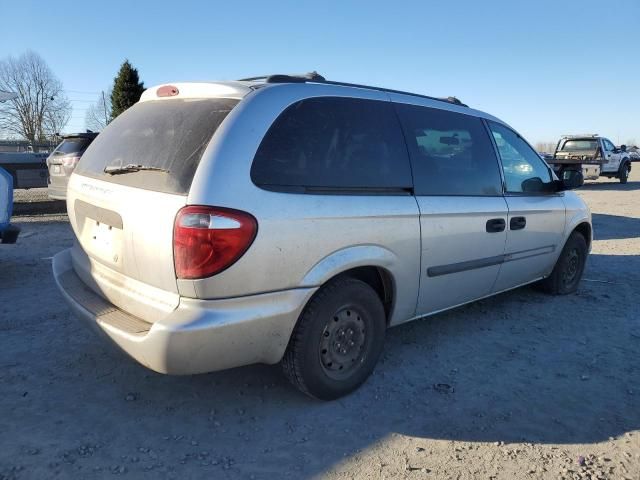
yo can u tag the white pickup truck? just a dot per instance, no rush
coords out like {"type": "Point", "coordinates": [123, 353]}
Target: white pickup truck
{"type": "Point", "coordinates": [597, 157]}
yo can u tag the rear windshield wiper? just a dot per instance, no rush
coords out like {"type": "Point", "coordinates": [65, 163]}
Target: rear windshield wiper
{"type": "Point", "coordinates": [115, 170]}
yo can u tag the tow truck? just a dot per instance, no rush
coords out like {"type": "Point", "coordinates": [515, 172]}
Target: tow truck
{"type": "Point", "coordinates": [595, 155]}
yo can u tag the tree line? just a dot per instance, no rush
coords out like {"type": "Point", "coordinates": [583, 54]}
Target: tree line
{"type": "Point", "coordinates": [38, 109]}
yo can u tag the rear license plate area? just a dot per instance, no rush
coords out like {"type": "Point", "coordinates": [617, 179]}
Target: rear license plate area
{"type": "Point", "coordinates": [103, 236]}
{"type": "Point", "coordinates": [104, 240]}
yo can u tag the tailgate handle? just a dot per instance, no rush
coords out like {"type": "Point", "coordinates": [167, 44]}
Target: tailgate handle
{"type": "Point", "coordinates": [496, 225]}
{"type": "Point", "coordinates": [517, 223]}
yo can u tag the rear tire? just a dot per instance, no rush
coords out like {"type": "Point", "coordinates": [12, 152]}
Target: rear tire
{"type": "Point", "coordinates": [566, 274]}
{"type": "Point", "coordinates": [624, 172]}
{"type": "Point", "coordinates": [337, 340]}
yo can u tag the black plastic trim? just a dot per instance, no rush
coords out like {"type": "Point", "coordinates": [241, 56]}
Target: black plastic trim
{"type": "Point", "coordinates": [488, 261]}
{"type": "Point", "coordinates": [464, 266]}
{"type": "Point", "coordinates": [517, 223]}
{"type": "Point", "coordinates": [496, 225]}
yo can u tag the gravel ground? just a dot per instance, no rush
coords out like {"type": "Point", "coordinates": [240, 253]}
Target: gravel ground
{"type": "Point", "coordinates": [519, 386]}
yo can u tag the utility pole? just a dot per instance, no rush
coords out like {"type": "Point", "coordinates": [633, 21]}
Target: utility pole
{"type": "Point", "coordinates": [104, 109]}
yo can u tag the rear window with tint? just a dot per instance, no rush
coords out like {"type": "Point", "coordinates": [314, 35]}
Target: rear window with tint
{"type": "Point", "coordinates": [576, 145]}
{"type": "Point", "coordinates": [167, 134]}
{"type": "Point", "coordinates": [72, 145]}
{"type": "Point", "coordinates": [333, 143]}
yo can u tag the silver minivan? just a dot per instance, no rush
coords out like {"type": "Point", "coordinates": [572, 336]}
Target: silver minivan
{"type": "Point", "coordinates": [293, 219]}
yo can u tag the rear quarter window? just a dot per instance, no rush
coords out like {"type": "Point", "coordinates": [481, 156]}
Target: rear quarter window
{"type": "Point", "coordinates": [170, 135]}
{"type": "Point", "coordinates": [333, 143]}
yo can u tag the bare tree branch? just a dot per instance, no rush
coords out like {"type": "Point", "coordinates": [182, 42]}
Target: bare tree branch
{"type": "Point", "coordinates": [98, 115]}
{"type": "Point", "coordinates": [41, 108]}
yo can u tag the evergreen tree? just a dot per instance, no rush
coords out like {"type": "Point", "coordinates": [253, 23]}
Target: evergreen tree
{"type": "Point", "coordinates": [127, 89]}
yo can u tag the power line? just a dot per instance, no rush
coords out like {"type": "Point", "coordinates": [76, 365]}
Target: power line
{"type": "Point", "coordinates": [82, 92]}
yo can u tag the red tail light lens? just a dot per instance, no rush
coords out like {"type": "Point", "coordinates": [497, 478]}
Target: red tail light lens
{"type": "Point", "coordinates": [208, 240]}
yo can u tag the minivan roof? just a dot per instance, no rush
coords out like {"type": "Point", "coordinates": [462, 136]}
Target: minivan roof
{"type": "Point", "coordinates": [315, 77]}
{"type": "Point", "coordinates": [240, 88]}
{"type": "Point", "coordinates": [224, 89]}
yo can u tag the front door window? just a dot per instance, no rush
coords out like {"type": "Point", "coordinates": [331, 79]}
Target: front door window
{"type": "Point", "coordinates": [524, 170]}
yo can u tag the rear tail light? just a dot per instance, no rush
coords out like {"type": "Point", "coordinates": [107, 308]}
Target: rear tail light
{"type": "Point", "coordinates": [70, 161]}
{"type": "Point", "coordinates": [208, 240]}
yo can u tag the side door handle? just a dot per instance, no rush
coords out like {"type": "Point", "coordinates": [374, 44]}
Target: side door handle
{"type": "Point", "coordinates": [496, 225]}
{"type": "Point", "coordinates": [517, 223]}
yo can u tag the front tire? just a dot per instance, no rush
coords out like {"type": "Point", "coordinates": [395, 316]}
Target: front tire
{"type": "Point", "coordinates": [337, 340]}
{"type": "Point", "coordinates": [624, 172]}
{"type": "Point", "coordinates": [566, 274]}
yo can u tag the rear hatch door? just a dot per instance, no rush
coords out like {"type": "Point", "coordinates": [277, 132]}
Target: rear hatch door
{"type": "Point", "coordinates": [124, 196]}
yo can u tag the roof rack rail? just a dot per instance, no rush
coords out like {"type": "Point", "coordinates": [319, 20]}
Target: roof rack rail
{"type": "Point", "coordinates": [581, 135]}
{"type": "Point", "coordinates": [287, 78]}
{"type": "Point", "coordinates": [315, 77]}
{"type": "Point", "coordinates": [452, 100]}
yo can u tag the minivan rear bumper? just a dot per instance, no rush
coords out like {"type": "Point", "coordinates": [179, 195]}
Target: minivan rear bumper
{"type": "Point", "coordinates": [199, 335]}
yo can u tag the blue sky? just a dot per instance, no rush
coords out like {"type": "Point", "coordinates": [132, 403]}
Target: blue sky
{"type": "Point", "coordinates": [546, 67]}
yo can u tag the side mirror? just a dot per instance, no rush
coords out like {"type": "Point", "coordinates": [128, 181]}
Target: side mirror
{"type": "Point", "coordinates": [623, 148]}
{"type": "Point", "coordinates": [571, 179]}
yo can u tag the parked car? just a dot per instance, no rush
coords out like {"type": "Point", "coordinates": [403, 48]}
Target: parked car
{"type": "Point", "coordinates": [634, 154]}
{"type": "Point", "coordinates": [27, 169]}
{"type": "Point", "coordinates": [293, 219]}
{"type": "Point", "coordinates": [64, 159]}
{"type": "Point", "coordinates": [8, 232]}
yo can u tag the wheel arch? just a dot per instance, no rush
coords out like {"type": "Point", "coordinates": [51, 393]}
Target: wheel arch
{"type": "Point", "coordinates": [379, 279]}
{"type": "Point", "coordinates": [371, 264]}
{"type": "Point", "coordinates": [625, 161]}
{"type": "Point", "coordinates": [586, 231]}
